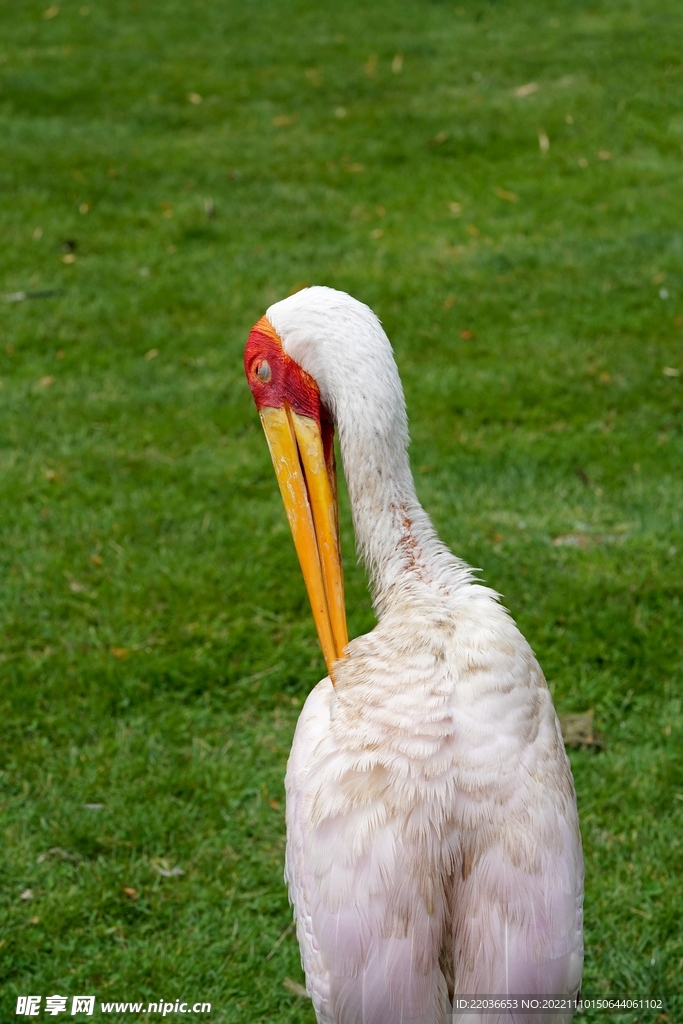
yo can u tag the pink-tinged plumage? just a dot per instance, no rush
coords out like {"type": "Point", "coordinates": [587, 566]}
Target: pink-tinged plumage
{"type": "Point", "coordinates": [433, 839]}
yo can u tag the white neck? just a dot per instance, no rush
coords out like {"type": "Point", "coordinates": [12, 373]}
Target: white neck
{"type": "Point", "coordinates": [342, 345]}
{"type": "Point", "coordinates": [394, 535]}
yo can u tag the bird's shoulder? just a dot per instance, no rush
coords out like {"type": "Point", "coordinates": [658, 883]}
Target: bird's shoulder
{"type": "Point", "coordinates": [456, 715]}
{"type": "Point", "coordinates": [457, 660]}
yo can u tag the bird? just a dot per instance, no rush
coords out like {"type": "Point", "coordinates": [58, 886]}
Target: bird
{"type": "Point", "coordinates": [433, 854]}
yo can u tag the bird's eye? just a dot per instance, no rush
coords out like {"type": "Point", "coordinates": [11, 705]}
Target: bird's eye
{"type": "Point", "coordinates": [263, 371]}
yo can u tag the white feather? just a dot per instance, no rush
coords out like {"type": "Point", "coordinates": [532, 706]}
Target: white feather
{"type": "Point", "coordinates": [433, 839]}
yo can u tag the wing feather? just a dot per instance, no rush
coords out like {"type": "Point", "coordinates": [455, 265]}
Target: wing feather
{"type": "Point", "coordinates": [433, 842]}
{"type": "Point", "coordinates": [369, 941]}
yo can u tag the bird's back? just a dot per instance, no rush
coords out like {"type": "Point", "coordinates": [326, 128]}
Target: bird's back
{"type": "Point", "coordinates": [433, 842]}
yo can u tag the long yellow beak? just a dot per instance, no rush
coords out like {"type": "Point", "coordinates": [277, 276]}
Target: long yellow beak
{"type": "Point", "coordinates": [309, 493]}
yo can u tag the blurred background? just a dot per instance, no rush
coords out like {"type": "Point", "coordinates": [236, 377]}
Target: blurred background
{"type": "Point", "coordinates": [501, 182]}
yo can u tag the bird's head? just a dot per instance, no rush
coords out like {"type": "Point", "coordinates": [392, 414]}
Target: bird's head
{"type": "Point", "coordinates": [300, 435]}
{"type": "Point", "coordinates": [274, 378]}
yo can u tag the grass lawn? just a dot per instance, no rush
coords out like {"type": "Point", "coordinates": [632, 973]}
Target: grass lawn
{"type": "Point", "coordinates": [501, 182]}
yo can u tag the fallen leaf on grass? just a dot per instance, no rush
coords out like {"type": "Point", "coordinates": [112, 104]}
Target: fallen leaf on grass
{"type": "Point", "coordinates": [152, 354]}
{"type": "Point", "coordinates": [51, 12]}
{"type": "Point", "coordinates": [295, 988]}
{"type": "Point", "coordinates": [282, 120]}
{"type": "Point", "coordinates": [120, 652]}
{"type": "Point", "coordinates": [397, 64]}
{"type": "Point", "coordinates": [194, 98]}
{"type": "Point", "coordinates": [467, 335]}
{"type": "Point", "coordinates": [578, 732]}
{"type": "Point", "coordinates": [543, 141]}
{"type": "Point", "coordinates": [162, 868]}
{"type": "Point", "coordinates": [572, 540]}
{"type": "Point", "coordinates": [455, 208]}
{"type": "Point", "coordinates": [57, 851]}
{"type": "Point", "coordinates": [604, 154]}
{"type": "Point", "coordinates": [46, 382]}
{"type": "Point", "coordinates": [438, 139]}
{"type": "Point", "coordinates": [132, 894]}
{"type": "Point", "coordinates": [27, 894]}
{"type": "Point", "coordinates": [526, 90]}
{"type": "Point", "coordinates": [377, 233]}
{"type": "Point", "coordinates": [96, 559]}
{"type": "Point", "coordinates": [509, 197]}
{"type": "Point", "coordinates": [449, 302]}
{"type": "Point", "coordinates": [370, 66]}
{"type": "Point", "coordinates": [34, 920]}
{"type": "Point", "coordinates": [69, 257]}
{"type": "Point", "coordinates": [670, 371]}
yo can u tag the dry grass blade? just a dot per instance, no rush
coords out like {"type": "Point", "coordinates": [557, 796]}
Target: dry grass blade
{"type": "Point", "coordinates": [295, 988]}
{"type": "Point", "coordinates": [288, 931]}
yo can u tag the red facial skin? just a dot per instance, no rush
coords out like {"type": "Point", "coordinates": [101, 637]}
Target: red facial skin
{"type": "Point", "coordinates": [288, 385]}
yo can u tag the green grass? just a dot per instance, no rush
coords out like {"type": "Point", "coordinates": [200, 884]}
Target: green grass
{"type": "Point", "coordinates": [156, 644]}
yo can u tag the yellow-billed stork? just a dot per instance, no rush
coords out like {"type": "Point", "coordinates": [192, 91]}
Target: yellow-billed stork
{"type": "Point", "coordinates": [433, 846]}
